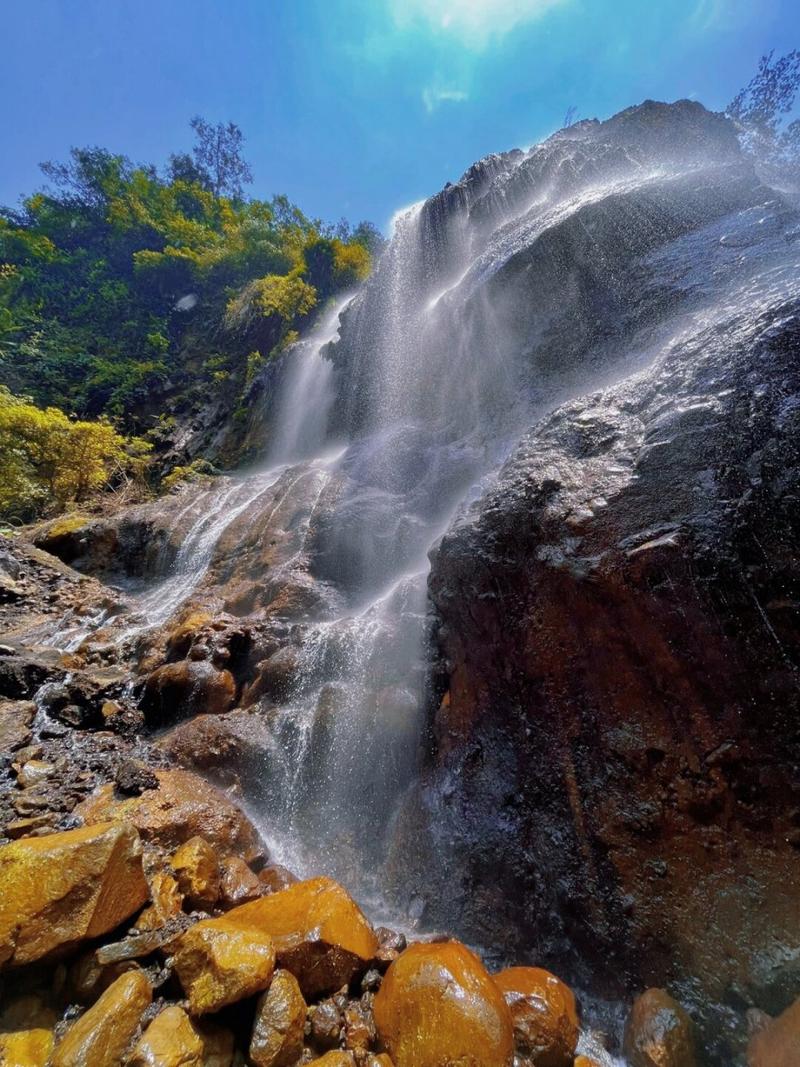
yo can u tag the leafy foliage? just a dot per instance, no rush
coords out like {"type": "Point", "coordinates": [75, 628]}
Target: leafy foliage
{"type": "Point", "coordinates": [49, 458]}
{"type": "Point", "coordinates": [115, 278]}
{"type": "Point", "coordinates": [761, 107]}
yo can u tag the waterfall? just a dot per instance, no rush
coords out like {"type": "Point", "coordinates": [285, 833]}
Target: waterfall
{"type": "Point", "coordinates": [507, 293]}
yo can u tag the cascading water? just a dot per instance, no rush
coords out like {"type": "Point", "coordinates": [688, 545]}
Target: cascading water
{"type": "Point", "coordinates": [539, 276]}
{"type": "Point", "coordinates": [500, 297]}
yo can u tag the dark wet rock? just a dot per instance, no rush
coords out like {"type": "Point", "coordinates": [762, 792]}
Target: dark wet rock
{"type": "Point", "coordinates": [238, 884]}
{"type": "Point", "coordinates": [327, 1021]}
{"type": "Point", "coordinates": [275, 676]}
{"type": "Point", "coordinates": [226, 748]}
{"type": "Point", "coordinates": [21, 675]}
{"type": "Point", "coordinates": [620, 649]}
{"type": "Point", "coordinates": [133, 777]}
{"type": "Point", "coordinates": [275, 877]}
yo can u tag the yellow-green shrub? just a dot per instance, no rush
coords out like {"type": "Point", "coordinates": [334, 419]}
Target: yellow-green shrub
{"type": "Point", "coordinates": [50, 458]}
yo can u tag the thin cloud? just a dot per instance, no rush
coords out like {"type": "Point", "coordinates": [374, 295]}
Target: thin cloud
{"type": "Point", "coordinates": [474, 22]}
{"type": "Point", "coordinates": [432, 98]}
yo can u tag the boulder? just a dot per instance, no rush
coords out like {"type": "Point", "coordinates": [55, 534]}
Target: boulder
{"type": "Point", "coordinates": [334, 1058]}
{"type": "Point", "coordinates": [182, 636]}
{"type": "Point", "coordinates": [224, 747]}
{"type": "Point", "coordinates": [238, 884]}
{"type": "Point", "coordinates": [21, 675]}
{"type": "Point", "coordinates": [778, 1044]}
{"type": "Point", "coordinates": [221, 961]}
{"type": "Point", "coordinates": [183, 806]}
{"type": "Point", "coordinates": [320, 934]}
{"type": "Point", "coordinates": [275, 877]}
{"type": "Point", "coordinates": [278, 1029]}
{"type": "Point", "coordinates": [60, 889]}
{"type": "Point", "coordinates": [659, 1032]}
{"type": "Point", "coordinates": [546, 1027]}
{"type": "Point", "coordinates": [196, 869]}
{"type": "Point", "coordinates": [174, 1040]}
{"type": "Point", "coordinates": [101, 1037]}
{"type": "Point", "coordinates": [275, 676]}
{"type": "Point", "coordinates": [189, 687]}
{"type": "Point", "coordinates": [16, 717]}
{"type": "Point", "coordinates": [438, 1006]}
{"type": "Point", "coordinates": [166, 901]}
{"type": "Point", "coordinates": [26, 1048]}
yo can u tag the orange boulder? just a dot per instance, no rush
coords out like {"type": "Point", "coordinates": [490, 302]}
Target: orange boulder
{"type": "Point", "coordinates": [320, 934]}
{"type": "Point", "coordinates": [542, 1007]}
{"type": "Point", "coordinates": [659, 1032]}
{"type": "Point", "coordinates": [60, 889]}
{"type": "Point", "coordinates": [438, 1006]}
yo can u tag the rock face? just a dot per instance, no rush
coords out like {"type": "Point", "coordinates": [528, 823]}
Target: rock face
{"type": "Point", "coordinates": [438, 1006]}
{"type": "Point", "coordinates": [177, 690]}
{"type": "Point", "coordinates": [58, 890]}
{"type": "Point", "coordinates": [543, 1012]}
{"type": "Point", "coordinates": [619, 647]}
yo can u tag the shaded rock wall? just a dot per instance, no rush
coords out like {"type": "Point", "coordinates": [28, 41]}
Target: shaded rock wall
{"type": "Point", "coordinates": [617, 750]}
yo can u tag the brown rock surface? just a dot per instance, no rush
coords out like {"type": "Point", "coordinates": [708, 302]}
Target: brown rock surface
{"type": "Point", "coordinates": [238, 884]}
{"type": "Point", "coordinates": [778, 1044]}
{"type": "Point", "coordinates": [60, 889]}
{"type": "Point", "coordinates": [320, 934]}
{"type": "Point", "coordinates": [174, 1040]}
{"type": "Point", "coordinates": [543, 1010]}
{"type": "Point", "coordinates": [221, 961]}
{"type": "Point", "coordinates": [437, 1006]}
{"type": "Point", "coordinates": [659, 1032]}
{"type": "Point", "coordinates": [177, 690]}
{"type": "Point", "coordinates": [196, 869]}
{"type": "Point", "coordinates": [101, 1037]}
{"type": "Point", "coordinates": [277, 1039]}
{"type": "Point", "coordinates": [16, 717]}
{"type": "Point", "coordinates": [182, 807]}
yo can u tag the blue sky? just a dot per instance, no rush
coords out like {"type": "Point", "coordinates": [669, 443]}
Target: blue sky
{"type": "Point", "coordinates": [356, 107]}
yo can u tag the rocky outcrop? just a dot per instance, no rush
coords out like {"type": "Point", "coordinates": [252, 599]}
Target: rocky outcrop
{"type": "Point", "coordinates": [620, 652]}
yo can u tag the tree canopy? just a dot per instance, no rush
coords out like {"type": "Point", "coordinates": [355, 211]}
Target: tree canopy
{"type": "Point", "coordinates": [121, 286]}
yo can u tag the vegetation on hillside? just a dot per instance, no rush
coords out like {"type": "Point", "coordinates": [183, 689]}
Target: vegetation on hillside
{"type": "Point", "coordinates": [764, 113]}
{"type": "Point", "coordinates": [122, 287]}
